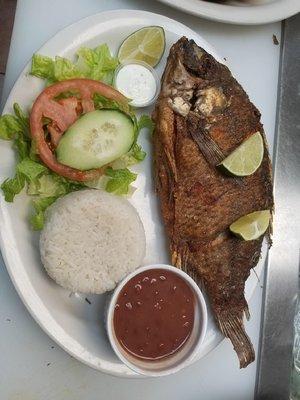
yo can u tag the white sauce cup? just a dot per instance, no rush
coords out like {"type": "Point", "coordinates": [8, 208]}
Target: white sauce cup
{"type": "Point", "coordinates": [141, 90]}
{"type": "Point", "coordinates": [180, 358]}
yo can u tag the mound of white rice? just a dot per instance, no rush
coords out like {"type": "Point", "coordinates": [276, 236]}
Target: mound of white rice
{"type": "Point", "coordinates": [91, 240]}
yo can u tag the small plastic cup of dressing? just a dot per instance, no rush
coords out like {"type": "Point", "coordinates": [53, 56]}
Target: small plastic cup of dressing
{"type": "Point", "coordinates": [137, 81]}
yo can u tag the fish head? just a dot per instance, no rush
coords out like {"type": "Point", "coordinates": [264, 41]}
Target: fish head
{"type": "Point", "coordinates": [186, 82]}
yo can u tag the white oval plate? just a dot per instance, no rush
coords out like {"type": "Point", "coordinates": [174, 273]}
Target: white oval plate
{"type": "Point", "coordinates": [69, 319]}
{"type": "Point", "coordinates": [254, 13]}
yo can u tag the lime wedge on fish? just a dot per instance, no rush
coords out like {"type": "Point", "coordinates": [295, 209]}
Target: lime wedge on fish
{"type": "Point", "coordinates": [246, 159]}
{"type": "Point", "coordinates": [146, 44]}
{"type": "Point", "coordinates": [251, 226]}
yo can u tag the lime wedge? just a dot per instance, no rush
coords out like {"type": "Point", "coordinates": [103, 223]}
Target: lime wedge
{"type": "Point", "coordinates": [146, 44]}
{"type": "Point", "coordinates": [251, 226]}
{"type": "Point", "coordinates": [246, 159]}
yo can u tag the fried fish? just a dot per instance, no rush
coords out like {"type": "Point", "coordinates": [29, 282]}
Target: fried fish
{"type": "Point", "coordinates": [201, 116]}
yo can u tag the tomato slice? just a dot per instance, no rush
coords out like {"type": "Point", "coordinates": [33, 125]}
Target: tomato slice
{"type": "Point", "coordinates": [63, 113]}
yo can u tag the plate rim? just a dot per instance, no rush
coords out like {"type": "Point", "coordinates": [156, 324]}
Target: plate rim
{"type": "Point", "coordinates": [11, 256]}
{"type": "Point", "coordinates": [239, 15]}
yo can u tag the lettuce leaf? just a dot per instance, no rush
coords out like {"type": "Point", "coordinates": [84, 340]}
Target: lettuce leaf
{"type": "Point", "coordinates": [145, 122]}
{"type": "Point", "coordinates": [9, 126]}
{"type": "Point", "coordinates": [22, 118]}
{"type": "Point", "coordinates": [120, 180]}
{"type": "Point", "coordinates": [55, 70]}
{"type": "Point", "coordinates": [50, 184]}
{"type": "Point", "coordinates": [22, 137]}
{"type": "Point", "coordinates": [137, 152]}
{"type": "Point", "coordinates": [42, 67]}
{"type": "Point", "coordinates": [47, 186]}
{"type": "Point", "coordinates": [16, 127]}
{"type": "Point", "coordinates": [65, 69]}
{"type": "Point", "coordinates": [96, 64]}
{"type": "Point", "coordinates": [30, 169]}
{"type": "Point", "coordinates": [135, 155]}
{"type": "Point", "coordinates": [102, 102]}
{"type": "Point", "coordinates": [22, 146]}
{"type": "Point", "coordinates": [11, 187]}
{"type": "Point", "coordinates": [40, 205]}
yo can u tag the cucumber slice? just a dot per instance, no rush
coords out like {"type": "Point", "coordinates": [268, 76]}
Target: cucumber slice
{"type": "Point", "coordinates": [95, 139]}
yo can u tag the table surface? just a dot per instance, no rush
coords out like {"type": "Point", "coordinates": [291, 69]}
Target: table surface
{"type": "Point", "coordinates": [32, 367]}
{"type": "Point", "coordinates": [7, 14]}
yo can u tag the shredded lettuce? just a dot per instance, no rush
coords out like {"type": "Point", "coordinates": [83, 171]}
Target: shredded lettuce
{"type": "Point", "coordinates": [55, 70]}
{"type": "Point", "coordinates": [102, 102]}
{"type": "Point", "coordinates": [40, 205]}
{"type": "Point", "coordinates": [65, 69]}
{"type": "Point", "coordinates": [96, 64]}
{"type": "Point", "coordinates": [31, 170]}
{"type": "Point", "coordinates": [120, 180]}
{"type": "Point", "coordinates": [15, 127]}
{"type": "Point", "coordinates": [22, 145]}
{"type": "Point", "coordinates": [40, 182]}
{"type": "Point", "coordinates": [137, 153]}
{"type": "Point", "coordinates": [9, 126]}
{"type": "Point", "coordinates": [42, 67]}
{"type": "Point", "coordinates": [11, 187]}
{"type": "Point", "coordinates": [145, 122]}
{"type": "Point", "coordinates": [47, 185]}
{"type": "Point", "coordinates": [46, 189]}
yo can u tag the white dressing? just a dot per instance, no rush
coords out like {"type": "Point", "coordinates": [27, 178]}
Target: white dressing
{"type": "Point", "coordinates": [137, 82]}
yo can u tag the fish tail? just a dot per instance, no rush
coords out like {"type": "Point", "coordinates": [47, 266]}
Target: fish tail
{"type": "Point", "coordinates": [231, 324]}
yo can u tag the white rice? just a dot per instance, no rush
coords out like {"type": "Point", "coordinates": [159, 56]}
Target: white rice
{"type": "Point", "coordinates": [91, 240]}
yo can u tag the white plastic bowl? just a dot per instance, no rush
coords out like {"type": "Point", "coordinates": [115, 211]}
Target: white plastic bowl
{"type": "Point", "coordinates": [154, 74]}
{"type": "Point", "coordinates": [185, 355]}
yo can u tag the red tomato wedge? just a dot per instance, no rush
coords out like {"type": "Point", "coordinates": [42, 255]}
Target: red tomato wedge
{"type": "Point", "coordinates": [63, 113]}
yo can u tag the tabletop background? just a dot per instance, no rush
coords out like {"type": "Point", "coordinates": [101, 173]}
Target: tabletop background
{"type": "Point", "coordinates": [7, 13]}
{"type": "Point", "coordinates": [32, 367]}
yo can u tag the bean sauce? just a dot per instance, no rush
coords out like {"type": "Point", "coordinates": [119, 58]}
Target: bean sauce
{"type": "Point", "coordinates": [154, 314]}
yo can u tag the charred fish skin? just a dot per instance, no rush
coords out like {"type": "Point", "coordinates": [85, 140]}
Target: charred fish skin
{"type": "Point", "coordinates": [201, 116]}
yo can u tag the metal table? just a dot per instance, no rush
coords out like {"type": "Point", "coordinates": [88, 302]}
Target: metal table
{"type": "Point", "coordinates": [281, 280]}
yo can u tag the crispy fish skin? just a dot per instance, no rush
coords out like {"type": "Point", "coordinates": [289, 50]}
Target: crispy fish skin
{"type": "Point", "coordinates": [201, 116]}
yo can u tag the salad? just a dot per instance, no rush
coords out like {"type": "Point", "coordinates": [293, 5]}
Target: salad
{"type": "Point", "coordinates": [80, 132]}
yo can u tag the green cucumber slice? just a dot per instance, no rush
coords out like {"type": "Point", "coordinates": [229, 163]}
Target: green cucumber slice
{"type": "Point", "coordinates": [95, 139]}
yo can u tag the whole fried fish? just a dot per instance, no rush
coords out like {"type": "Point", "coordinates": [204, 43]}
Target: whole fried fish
{"type": "Point", "coordinates": [201, 116]}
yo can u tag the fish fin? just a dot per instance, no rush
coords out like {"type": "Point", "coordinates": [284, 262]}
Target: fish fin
{"type": "Point", "coordinates": [187, 268]}
{"type": "Point", "coordinates": [208, 147]}
{"type": "Point", "coordinates": [231, 324]}
{"type": "Point", "coordinates": [172, 164]}
{"type": "Point", "coordinates": [180, 260]}
{"type": "Point", "coordinates": [178, 255]}
{"type": "Point", "coordinates": [210, 150]}
{"type": "Point", "coordinates": [269, 237]}
{"type": "Point", "coordinates": [171, 184]}
{"type": "Point", "coordinates": [270, 230]}
{"type": "Point", "coordinates": [247, 313]}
